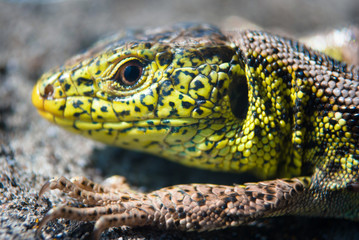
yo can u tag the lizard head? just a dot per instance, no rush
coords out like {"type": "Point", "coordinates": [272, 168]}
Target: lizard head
{"type": "Point", "coordinates": [167, 93]}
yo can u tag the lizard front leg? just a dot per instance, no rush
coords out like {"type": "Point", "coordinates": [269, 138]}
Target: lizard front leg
{"type": "Point", "coordinates": [190, 207]}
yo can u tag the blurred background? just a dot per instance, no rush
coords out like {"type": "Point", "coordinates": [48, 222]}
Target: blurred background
{"type": "Point", "coordinates": [52, 30]}
{"type": "Point", "coordinates": [36, 35]}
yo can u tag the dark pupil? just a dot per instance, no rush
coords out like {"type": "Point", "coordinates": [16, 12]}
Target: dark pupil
{"type": "Point", "coordinates": [132, 73]}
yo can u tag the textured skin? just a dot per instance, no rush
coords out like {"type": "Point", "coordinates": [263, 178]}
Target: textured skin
{"type": "Point", "coordinates": [230, 101]}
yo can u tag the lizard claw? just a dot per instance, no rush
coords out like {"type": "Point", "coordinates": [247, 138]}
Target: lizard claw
{"type": "Point", "coordinates": [44, 188]}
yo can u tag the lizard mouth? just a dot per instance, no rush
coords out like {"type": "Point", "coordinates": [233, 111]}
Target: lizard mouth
{"type": "Point", "coordinates": [81, 119]}
{"type": "Point", "coordinates": [146, 134]}
{"type": "Point", "coordinates": [83, 125]}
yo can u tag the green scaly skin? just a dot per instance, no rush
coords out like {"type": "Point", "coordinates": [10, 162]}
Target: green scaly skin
{"type": "Point", "coordinates": [228, 101]}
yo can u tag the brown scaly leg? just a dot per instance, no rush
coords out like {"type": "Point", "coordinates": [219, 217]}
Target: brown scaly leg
{"type": "Point", "coordinates": [190, 207]}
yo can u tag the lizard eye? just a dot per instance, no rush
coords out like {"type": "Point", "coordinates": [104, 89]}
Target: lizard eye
{"type": "Point", "coordinates": [129, 73]}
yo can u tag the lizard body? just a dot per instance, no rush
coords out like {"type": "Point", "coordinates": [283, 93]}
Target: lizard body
{"type": "Point", "coordinates": [232, 101]}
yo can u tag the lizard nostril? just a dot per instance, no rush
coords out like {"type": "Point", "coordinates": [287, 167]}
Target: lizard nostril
{"type": "Point", "coordinates": [48, 91]}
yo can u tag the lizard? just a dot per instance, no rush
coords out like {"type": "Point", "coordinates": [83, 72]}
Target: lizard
{"type": "Point", "coordinates": [238, 101]}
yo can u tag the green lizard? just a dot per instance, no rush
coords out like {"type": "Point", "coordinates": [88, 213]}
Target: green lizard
{"type": "Point", "coordinates": [229, 101]}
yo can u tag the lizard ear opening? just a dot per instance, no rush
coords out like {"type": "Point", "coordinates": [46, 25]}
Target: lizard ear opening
{"type": "Point", "coordinates": [238, 95]}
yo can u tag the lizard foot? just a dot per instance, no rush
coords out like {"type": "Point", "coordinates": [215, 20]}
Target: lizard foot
{"type": "Point", "coordinates": [189, 207]}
